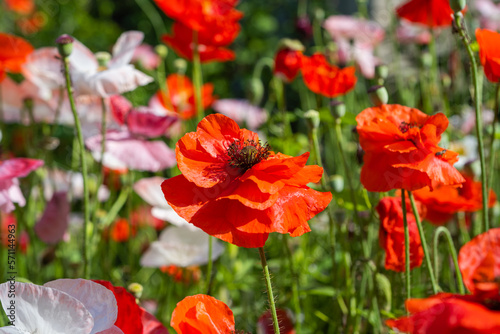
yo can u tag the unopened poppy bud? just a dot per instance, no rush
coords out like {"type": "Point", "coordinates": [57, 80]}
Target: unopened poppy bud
{"type": "Point", "coordinates": [65, 45]}
{"type": "Point", "coordinates": [256, 91]}
{"type": "Point", "coordinates": [381, 72]}
{"type": "Point", "coordinates": [337, 183]}
{"type": "Point", "coordinates": [426, 59]}
{"type": "Point", "coordinates": [312, 119]}
{"type": "Point", "coordinates": [319, 14]}
{"type": "Point", "coordinates": [103, 58]}
{"type": "Point", "coordinates": [136, 289]}
{"type": "Point", "coordinates": [446, 80]}
{"type": "Point", "coordinates": [338, 109]}
{"type": "Point", "coordinates": [161, 50]}
{"type": "Point", "coordinates": [457, 5]}
{"type": "Point", "coordinates": [181, 65]}
{"type": "Point", "coordinates": [378, 95]}
{"type": "Point", "coordinates": [291, 44]}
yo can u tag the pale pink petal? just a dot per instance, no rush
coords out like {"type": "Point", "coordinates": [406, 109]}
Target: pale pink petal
{"type": "Point", "coordinates": [10, 330]}
{"type": "Point", "coordinates": [18, 167]}
{"type": "Point", "coordinates": [344, 51]}
{"type": "Point", "coordinates": [55, 219]}
{"type": "Point", "coordinates": [82, 59]}
{"type": "Point", "coordinates": [489, 14]}
{"type": "Point", "coordinates": [151, 325]}
{"type": "Point", "coordinates": [44, 310]}
{"type": "Point", "coordinates": [242, 112]}
{"type": "Point", "coordinates": [351, 28]}
{"type": "Point", "coordinates": [411, 33]}
{"type": "Point", "coordinates": [363, 55]}
{"type": "Point", "coordinates": [10, 193]}
{"type": "Point", "coordinates": [43, 69]}
{"type": "Point", "coordinates": [182, 247]}
{"type": "Point", "coordinates": [98, 300]}
{"type": "Point", "coordinates": [146, 56]}
{"type": "Point", "coordinates": [120, 107]}
{"type": "Point", "coordinates": [124, 48]}
{"type": "Point", "coordinates": [112, 330]}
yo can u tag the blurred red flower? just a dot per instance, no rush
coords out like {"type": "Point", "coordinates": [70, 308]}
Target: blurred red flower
{"type": "Point", "coordinates": [181, 99]}
{"type": "Point", "coordinates": [211, 41]}
{"type": "Point", "coordinates": [121, 230]}
{"type": "Point", "coordinates": [265, 324]}
{"type": "Point", "coordinates": [23, 7]}
{"type": "Point", "coordinates": [489, 53]}
{"type": "Point", "coordinates": [431, 13]}
{"type": "Point", "coordinates": [186, 275]}
{"type": "Point", "coordinates": [448, 313]}
{"type": "Point", "coordinates": [287, 63]}
{"type": "Point", "coordinates": [132, 319]}
{"type": "Point", "coordinates": [202, 314]}
{"type": "Point", "coordinates": [392, 236]}
{"type": "Point", "coordinates": [401, 151]}
{"type": "Point", "coordinates": [325, 79]}
{"type": "Point", "coordinates": [13, 53]}
{"type": "Point", "coordinates": [237, 190]}
{"type": "Point", "coordinates": [444, 201]}
{"type": "Point", "coordinates": [479, 262]}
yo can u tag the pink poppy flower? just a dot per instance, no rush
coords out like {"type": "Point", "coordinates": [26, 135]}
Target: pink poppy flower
{"type": "Point", "coordinates": [119, 76]}
{"type": "Point", "coordinates": [62, 306]}
{"type": "Point", "coordinates": [411, 33]}
{"type": "Point", "coordinates": [55, 219]}
{"type": "Point", "coordinates": [489, 14]}
{"type": "Point", "coordinates": [363, 34]}
{"type": "Point", "coordinates": [242, 112]}
{"type": "Point", "coordinates": [146, 56]}
{"type": "Point", "coordinates": [132, 152]}
{"type": "Point", "coordinates": [149, 189]}
{"type": "Point", "coordinates": [141, 121]}
{"type": "Point", "coordinates": [10, 170]}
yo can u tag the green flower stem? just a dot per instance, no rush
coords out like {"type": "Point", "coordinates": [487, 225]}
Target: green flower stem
{"type": "Point", "coordinates": [295, 285]}
{"type": "Point", "coordinates": [279, 90]}
{"type": "Point", "coordinates": [435, 286]}
{"type": "Point", "coordinates": [153, 16]}
{"type": "Point", "coordinates": [161, 78]}
{"type": "Point", "coordinates": [86, 212]}
{"type": "Point", "coordinates": [462, 224]}
{"type": "Point", "coordinates": [269, 290]}
{"type": "Point", "coordinates": [407, 245]}
{"type": "Point", "coordinates": [492, 150]}
{"type": "Point", "coordinates": [443, 230]}
{"type": "Point", "coordinates": [479, 119]}
{"type": "Point", "coordinates": [210, 264]}
{"type": "Point", "coordinates": [197, 79]}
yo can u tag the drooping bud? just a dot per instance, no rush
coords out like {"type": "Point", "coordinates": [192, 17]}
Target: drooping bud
{"type": "Point", "coordinates": [161, 50]}
{"type": "Point", "coordinates": [312, 119]}
{"type": "Point", "coordinates": [65, 45]}
{"type": "Point", "coordinates": [457, 5]}
{"type": "Point", "coordinates": [378, 95]}
{"type": "Point", "coordinates": [338, 109]}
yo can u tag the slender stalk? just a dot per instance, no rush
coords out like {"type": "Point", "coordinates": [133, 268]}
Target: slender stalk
{"type": "Point", "coordinates": [103, 143]}
{"type": "Point", "coordinates": [269, 287]}
{"type": "Point", "coordinates": [197, 79]}
{"type": "Point", "coordinates": [210, 263]}
{"type": "Point", "coordinates": [86, 212]}
{"type": "Point", "coordinates": [477, 105]}
{"type": "Point", "coordinates": [295, 285]}
{"type": "Point", "coordinates": [443, 230]}
{"type": "Point", "coordinates": [407, 245]}
{"type": "Point", "coordinates": [160, 75]}
{"type": "Point", "coordinates": [435, 286]}
{"type": "Point", "coordinates": [153, 16]}
{"type": "Point", "coordinates": [492, 150]}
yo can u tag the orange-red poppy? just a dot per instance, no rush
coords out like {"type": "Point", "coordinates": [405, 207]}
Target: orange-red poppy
{"type": "Point", "coordinates": [121, 230]}
{"type": "Point", "coordinates": [31, 24]}
{"type": "Point", "coordinates": [287, 64]}
{"type": "Point", "coordinates": [13, 53]}
{"type": "Point", "coordinates": [181, 99]}
{"type": "Point", "coordinates": [431, 13]}
{"type": "Point", "coordinates": [448, 313]}
{"type": "Point", "coordinates": [236, 189]}
{"type": "Point", "coordinates": [23, 7]}
{"type": "Point", "coordinates": [444, 201]}
{"type": "Point", "coordinates": [186, 275]}
{"type": "Point", "coordinates": [401, 151]}
{"type": "Point", "coordinates": [392, 236]}
{"type": "Point", "coordinates": [489, 53]}
{"type": "Point", "coordinates": [479, 262]}
{"type": "Point", "coordinates": [211, 41]}
{"type": "Point", "coordinates": [202, 314]}
{"type": "Point", "coordinates": [326, 79]}
{"type": "Point", "coordinates": [200, 14]}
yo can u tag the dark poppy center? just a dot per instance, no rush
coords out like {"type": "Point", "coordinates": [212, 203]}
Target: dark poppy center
{"type": "Point", "coordinates": [246, 154]}
{"type": "Point", "coordinates": [404, 126]}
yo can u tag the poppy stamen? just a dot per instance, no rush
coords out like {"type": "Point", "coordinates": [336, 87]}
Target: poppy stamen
{"type": "Point", "coordinates": [404, 126]}
{"type": "Point", "coordinates": [244, 155]}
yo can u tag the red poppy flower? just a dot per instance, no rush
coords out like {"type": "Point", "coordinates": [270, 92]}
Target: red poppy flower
{"type": "Point", "coordinates": [8, 223]}
{"type": "Point", "coordinates": [121, 230]}
{"type": "Point", "coordinates": [325, 79]}
{"type": "Point", "coordinates": [444, 201]}
{"type": "Point", "coordinates": [489, 53]}
{"type": "Point", "coordinates": [211, 42]}
{"type": "Point", "coordinates": [186, 275]}
{"type": "Point", "coordinates": [13, 53]}
{"type": "Point", "coordinates": [132, 319]}
{"type": "Point", "coordinates": [200, 14]}
{"type": "Point", "coordinates": [265, 325]}
{"type": "Point", "coordinates": [181, 99]}
{"type": "Point", "coordinates": [431, 13]}
{"type": "Point", "coordinates": [23, 7]}
{"type": "Point", "coordinates": [237, 190]}
{"type": "Point", "coordinates": [202, 314]}
{"type": "Point", "coordinates": [392, 236]}
{"type": "Point", "coordinates": [31, 24]}
{"type": "Point", "coordinates": [401, 151]}
{"type": "Point", "coordinates": [287, 63]}
{"type": "Point", "coordinates": [447, 313]}
{"type": "Point", "coordinates": [479, 262]}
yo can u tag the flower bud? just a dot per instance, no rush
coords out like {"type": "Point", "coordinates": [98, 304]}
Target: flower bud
{"type": "Point", "coordinates": [65, 45]}
{"type": "Point", "coordinates": [338, 109]}
{"type": "Point", "coordinates": [312, 119]}
{"type": "Point", "coordinates": [457, 5]}
{"type": "Point", "coordinates": [291, 44]}
{"type": "Point", "coordinates": [378, 95]}
{"type": "Point", "coordinates": [337, 183]}
{"type": "Point", "coordinates": [103, 58]}
{"type": "Point", "coordinates": [181, 65]}
{"type": "Point", "coordinates": [161, 50]}
{"type": "Point", "coordinates": [381, 72]}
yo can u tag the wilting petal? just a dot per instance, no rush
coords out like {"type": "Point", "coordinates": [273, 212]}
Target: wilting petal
{"type": "Point", "coordinates": [54, 222]}
{"type": "Point", "coordinates": [125, 47]}
{"type": "Point", "coordinates": [98, 300]}
{"type": "Point", "coordinates": [45, 310]}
